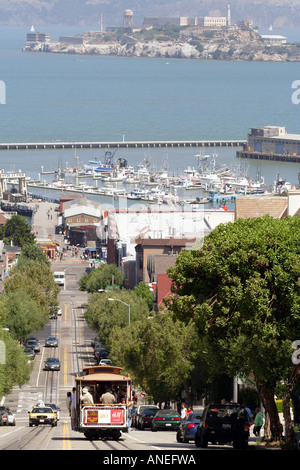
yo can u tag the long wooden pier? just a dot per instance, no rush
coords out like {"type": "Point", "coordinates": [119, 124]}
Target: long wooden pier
{"type": "Point", "coordinates": [121, 144]}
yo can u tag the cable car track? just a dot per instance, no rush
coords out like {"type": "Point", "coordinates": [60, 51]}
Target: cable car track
{"type": "Point", "coordinates": [111, 444]}
{"type": "Point", "coordinates": [28, 439]}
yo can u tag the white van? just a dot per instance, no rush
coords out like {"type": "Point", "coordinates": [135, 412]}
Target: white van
{"type": "Point", "coordinates": [59, 277]}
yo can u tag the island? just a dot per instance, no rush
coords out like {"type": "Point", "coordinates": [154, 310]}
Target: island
{"type": "Point", "coordinates": [240, 42]}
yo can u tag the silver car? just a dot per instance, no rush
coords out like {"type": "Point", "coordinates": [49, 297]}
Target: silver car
{"type": "Point", "coordinates": [51, 342]}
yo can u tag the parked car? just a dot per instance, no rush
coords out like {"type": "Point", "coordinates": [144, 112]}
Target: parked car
{"type": "Point", "coordinates": [11, 421]}
{"type": "Point", "coordinates": [223, 424]}
{"type": "Point", "coordinates": [165, 419]}
{"type": "Point", "coordinates": [137, 413]}
{"type": "Point", "coordinates": [51, 341]}
{"type": "Point", "coordinates": [42, 415]}
{"type": "Point", "coordinates": [55, 408]}
{"type": "Point", "coordinates": [188, 427]}
{"type": "Point", "coordinates": [52, 363]}
{"type": "Point", "coordinates": [32, 343]}
{"type": "Point", "coordinates": [35, 338]}
{"type": "Point", "coordinates": [29, 353]}
{"type": "Point", "coordinates": [101, 354]}
{"type": "Point", "coordinates": [145, 418]}
{"type": "Point", "coordinates": [4, 415]}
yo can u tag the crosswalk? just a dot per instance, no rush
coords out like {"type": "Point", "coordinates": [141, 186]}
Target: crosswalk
{"type": "Point", "coordinates": [20, 401]}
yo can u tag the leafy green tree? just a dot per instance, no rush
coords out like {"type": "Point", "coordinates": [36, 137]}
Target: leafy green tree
{"type": "Point", "coordinates": [24, 315]}
{"type": "Point", "coordinates": [14, 366]}
{"type": "Point", "coordinates": [242, 291]}
{"type": "Point", "coordinates": [102, 277]}
{"type": "Point", "coordinates": [143, 291]}
{"type": "Point", "coordinates": [17, 231]}
{"type": "Point", "coordinates": [104, 315]}
{"type": "Point", "coordinates": [161, 355]}
{"type": "Point", "coordinates": [32, 252]}
{"type": "Point", "coordinates": [36, 279]}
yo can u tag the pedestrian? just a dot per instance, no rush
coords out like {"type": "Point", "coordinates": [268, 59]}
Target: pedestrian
{"type": "Point", "coordinates": [129, 405]}
{"type": "Point", "coordinates": [249, 415]}
{"type": "Point", "coordinates": [183, 412]}
{"type": "Point", "coordinates": [258, 422]}
{"type": "Point", "coordinates": [189, 410]}
{"type": "Point", "coordinates": [73, 408]}
{"type": "Point", "coordinates": [68, 402]}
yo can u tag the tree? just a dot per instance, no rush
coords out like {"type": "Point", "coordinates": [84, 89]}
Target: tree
{"type": "Point", "coordinates": [103, 315]}
{"type": "Point", "coordinates": [15, 368]}
{"type": "Point", "coordinates": [32, 252]}
{"type": "Point", "coordinates": [102, 277]}
{"type": "Point", "coordinates": [36, 279]}
{"type": "Point", "coordinates": [24, 315]}
{"type": "Point", "coordinates": [143, 291]}
{"type": "Point", "coordinates": [160, 354]}
{"type": "Point", "coordinates": [17, 231]}
{"type": "Point", "coordinates": [242, 291]}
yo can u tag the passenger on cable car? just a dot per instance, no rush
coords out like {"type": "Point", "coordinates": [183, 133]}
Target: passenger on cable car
{"type": "Point", "coordinates": [85, 397]}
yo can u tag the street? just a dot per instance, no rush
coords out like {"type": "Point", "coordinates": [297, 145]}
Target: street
{"type": "Point", "coordinates": [74, 352]}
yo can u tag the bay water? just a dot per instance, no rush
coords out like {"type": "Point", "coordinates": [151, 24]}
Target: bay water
{"type": "Point", "coordinates": [94, 98]}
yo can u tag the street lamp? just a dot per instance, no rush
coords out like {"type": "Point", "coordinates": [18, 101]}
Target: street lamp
{"type": "Point", "coordinates": [128, 305]}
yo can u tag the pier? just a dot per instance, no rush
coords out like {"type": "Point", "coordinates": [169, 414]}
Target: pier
{"type": "Point", "coordinates": [276, 157]}
{"type": "Point", "coordinates": [123, 144]}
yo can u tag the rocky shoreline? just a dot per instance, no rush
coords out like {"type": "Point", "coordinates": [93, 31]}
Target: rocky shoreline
{"type": "Point", "coordinates": [236, 45]}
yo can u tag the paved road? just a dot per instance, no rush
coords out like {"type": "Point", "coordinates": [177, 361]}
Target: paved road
{"type": "Point", "coordinates": [74, 352]}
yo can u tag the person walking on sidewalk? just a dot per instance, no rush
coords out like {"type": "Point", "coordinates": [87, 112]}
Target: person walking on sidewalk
{"type": "Point", "coordinates": [258, 422]}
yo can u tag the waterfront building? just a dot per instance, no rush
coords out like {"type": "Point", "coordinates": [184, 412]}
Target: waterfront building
{"type": "Point", "coordinates": [273, 140]}
{"type": "Point", "coordinates": [79, 215]}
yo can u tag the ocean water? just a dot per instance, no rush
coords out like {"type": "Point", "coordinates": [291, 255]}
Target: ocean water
{"type": "Point", "coordinates": [88, 98]}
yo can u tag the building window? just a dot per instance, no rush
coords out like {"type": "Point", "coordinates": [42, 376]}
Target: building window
{"type": "Point", "coordinates": [69, 220]}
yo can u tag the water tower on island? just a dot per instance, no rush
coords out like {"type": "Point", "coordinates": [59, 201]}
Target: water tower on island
{"type": "Point", "coordinates": [128, 18]}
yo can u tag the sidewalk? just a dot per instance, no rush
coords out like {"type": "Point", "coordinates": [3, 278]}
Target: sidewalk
{"type": "Point", "coordinates": [44, 220]}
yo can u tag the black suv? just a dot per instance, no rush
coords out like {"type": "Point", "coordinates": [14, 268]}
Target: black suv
{"type": "Point", "coordinates": [223, 424]}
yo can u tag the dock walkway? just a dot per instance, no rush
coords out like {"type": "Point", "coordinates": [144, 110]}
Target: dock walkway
{"type": "Point", "coordinates": [122, 144]}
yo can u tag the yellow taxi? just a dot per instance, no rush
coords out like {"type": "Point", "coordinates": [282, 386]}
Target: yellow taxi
{"type": "Point", "coordinates": [42, 415]}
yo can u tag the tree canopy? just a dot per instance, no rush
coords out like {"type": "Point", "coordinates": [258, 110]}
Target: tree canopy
{"type": "Point", "coordinates": [161, 355]}
{"type": "Point", "coordinates": [102, 277]}
{"type": "Point", "coordinates": [104, 315]}
{"type": "Point", "coordinates": [242, 291]}
{"type": "Point", "coordinates": [17, 231]}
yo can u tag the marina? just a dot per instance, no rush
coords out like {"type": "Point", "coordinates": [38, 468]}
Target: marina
{"type": "Point", "coordinates": [207, 183]}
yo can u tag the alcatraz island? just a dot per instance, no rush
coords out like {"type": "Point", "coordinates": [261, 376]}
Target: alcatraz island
{"type": "Point", "coordinates": [173, 37]}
